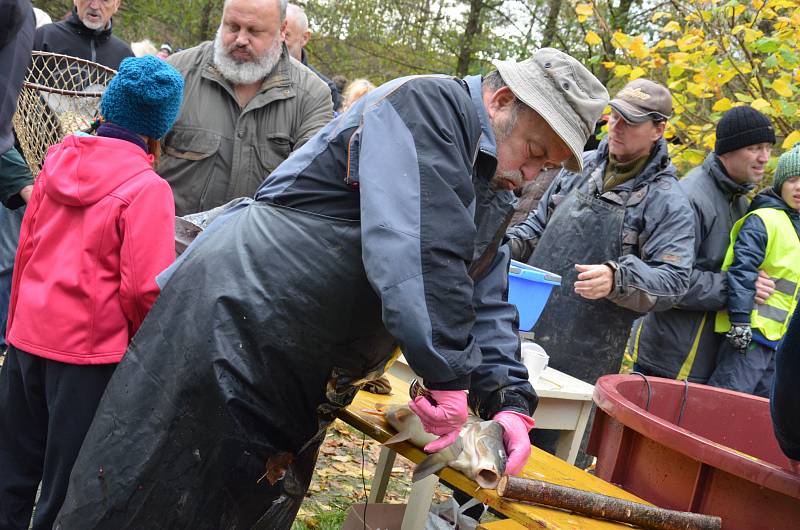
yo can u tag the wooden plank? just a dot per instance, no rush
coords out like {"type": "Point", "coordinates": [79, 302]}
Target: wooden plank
{"type": "Point", "coordinates": [505, 524]}
{"type": "Point", "coordinates": [541, 466]}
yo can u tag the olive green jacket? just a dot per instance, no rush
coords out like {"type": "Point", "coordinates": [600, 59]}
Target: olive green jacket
{"type": "Point", "coordinates": [218, 151]}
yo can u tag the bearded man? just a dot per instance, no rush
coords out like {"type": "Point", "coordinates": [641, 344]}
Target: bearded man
{"type": "Point", "coordinates": [246, 107]}
{"type": "Point", "coordinates": [85, 33]}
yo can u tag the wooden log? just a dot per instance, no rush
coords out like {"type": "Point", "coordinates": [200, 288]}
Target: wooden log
{"type": "Point", "coordinates": [603, 506]}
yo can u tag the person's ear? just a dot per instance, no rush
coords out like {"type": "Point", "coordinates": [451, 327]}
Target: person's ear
{"type": "Point", "coordinates": [501, 99]}
{"type": "Point", "coordinates": [658, 131]}
{"type": "Point", "coordinates": [306, 37]}
{"type": "Point", "coordinates": [283, 30]}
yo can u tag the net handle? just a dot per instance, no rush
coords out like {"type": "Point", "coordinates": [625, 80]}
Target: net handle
{"type": "Point", "coordinates": [59, 56]}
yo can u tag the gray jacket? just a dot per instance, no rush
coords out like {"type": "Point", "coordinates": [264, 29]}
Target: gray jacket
{"type": "Point", "coordinates": [218, 151]}
{"type": "Point", "coordinates": [657, 238]}
{"type": "Point", "coordinates": [681, 342]}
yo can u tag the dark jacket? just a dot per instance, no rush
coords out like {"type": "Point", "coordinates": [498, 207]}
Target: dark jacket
{"type": "Point", "coordinates": [14, 175]}
{"type": "Point", "coordinates": [749, 252]}
{"type": "Point", "coordinates": [785, 400]}
{"type": "Point", "coordinates": [412, 161]}
{"type": "Point", "coordinates": [71, 37]}
{"type": "Point", "coordinates": [17, 25]}
{"type": "Point", "coordinates": [657, 237]}
{"type": "Point", "coordinates": [672, 343]}
{"type": "Point", "coordinates": [336, 96]}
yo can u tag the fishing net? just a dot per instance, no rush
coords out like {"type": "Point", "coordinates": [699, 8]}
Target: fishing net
{"type": "Point", "coordinates": [60, 95]}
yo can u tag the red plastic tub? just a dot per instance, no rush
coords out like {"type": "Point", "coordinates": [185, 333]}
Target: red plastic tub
{"type": "Point", "coordinates": [695, 448]}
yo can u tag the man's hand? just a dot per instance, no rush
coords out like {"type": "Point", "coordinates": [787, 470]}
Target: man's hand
{"type": "Point", "coordinates": [444, 419]}
{"type": "Point", "coordinates": [594, 281]}
{"type": "Point", "coordinates": [740, 336]}
{"type": "Point", "coordinates": [26, 192]}
{"type": "Point", "coordinates": [764, 287]}
{"type": "Point", "coordinates": [515, 438]}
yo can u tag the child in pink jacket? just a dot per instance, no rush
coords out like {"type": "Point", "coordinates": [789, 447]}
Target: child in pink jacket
{"type": "Point", "coordinates": [98, 229]}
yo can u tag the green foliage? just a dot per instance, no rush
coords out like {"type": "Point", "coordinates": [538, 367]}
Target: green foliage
{"type": "Point", "coordinates": [183, 23]}
{"type": "Point", "coordinates": [714, 55]}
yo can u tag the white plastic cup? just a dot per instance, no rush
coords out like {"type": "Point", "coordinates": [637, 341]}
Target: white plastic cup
{"type": "Point", "coordinates": [535, 360]}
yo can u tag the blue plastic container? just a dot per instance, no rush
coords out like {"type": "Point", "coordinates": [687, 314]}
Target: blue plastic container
{"type": "Point", "coordinates": [528, 289]}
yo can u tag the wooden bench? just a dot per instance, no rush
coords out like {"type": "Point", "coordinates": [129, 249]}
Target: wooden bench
{"type": "Point", "coordinates": [541, 466]}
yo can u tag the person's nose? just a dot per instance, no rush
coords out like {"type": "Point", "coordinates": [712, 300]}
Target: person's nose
{"type": "Point", "coordinates": [241, 38]}
{"type": "Point", "coordinates": [763, 155]}
{"type": "Point", "coordinates": [531, 169]}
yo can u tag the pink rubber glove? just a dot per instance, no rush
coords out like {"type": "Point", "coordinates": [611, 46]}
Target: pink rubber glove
{"type": "Point", "coordinates": [515, 438]}
{"type": "Point", "coordinates": [445, 419]}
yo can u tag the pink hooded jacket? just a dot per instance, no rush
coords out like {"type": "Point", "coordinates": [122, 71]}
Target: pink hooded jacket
{"type": "Point", "coordinates": [98, 229]}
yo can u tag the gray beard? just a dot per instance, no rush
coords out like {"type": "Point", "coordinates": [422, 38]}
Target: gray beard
{"type": "Point", "coordinates": [94, 25]}
{"type": "Point", "coordinates": [245, 73]}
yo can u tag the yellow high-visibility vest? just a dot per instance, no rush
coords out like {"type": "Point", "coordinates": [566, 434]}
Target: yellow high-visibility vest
{"type": "Point", "coordinates": [782, 264]}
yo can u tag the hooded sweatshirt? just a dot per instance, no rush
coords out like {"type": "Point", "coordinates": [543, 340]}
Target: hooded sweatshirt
{"type": "Point", "coordinates": [98, 229]}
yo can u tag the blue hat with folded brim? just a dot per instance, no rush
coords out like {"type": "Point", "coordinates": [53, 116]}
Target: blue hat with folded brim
{"type": "Point", "coordinates": [144, 97]}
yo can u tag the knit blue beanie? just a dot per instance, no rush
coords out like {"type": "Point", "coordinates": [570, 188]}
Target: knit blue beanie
{"type": "Point", "coordinates": [144, 97]}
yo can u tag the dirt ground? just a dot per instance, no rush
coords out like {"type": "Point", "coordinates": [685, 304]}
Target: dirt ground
{"type": "Point", "coordinates": [342, 478]}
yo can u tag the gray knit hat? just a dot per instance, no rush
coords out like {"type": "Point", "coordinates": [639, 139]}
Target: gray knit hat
{"type": "Point", "coordinates": [788, 167]}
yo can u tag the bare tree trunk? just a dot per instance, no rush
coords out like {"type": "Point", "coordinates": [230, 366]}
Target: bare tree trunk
{"type": "Point", "coordinates": [554, 7]}
{"type": "Point", "coordinates": [204, 31]}
{"type": "Point", "coordinates": [471, 32]}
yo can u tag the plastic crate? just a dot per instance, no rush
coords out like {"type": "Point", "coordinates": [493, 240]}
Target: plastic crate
{"type": "Point", "coordinates": [528, 289]}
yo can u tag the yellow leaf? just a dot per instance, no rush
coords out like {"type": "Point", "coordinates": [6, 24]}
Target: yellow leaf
{"type": "Point", "coordinates": [622, 69]}
{"type": "Point", "coordinates": [619, 40]}
{"type": "Point", "coordinates": [592, 39]}
{"type": "Point", "coordinates": [760, 104]}
{"type": "Point", "coordinates": [609, 64]}
{"type": "Point", "coordinates": [638, 48]}
{"type": "Point", "coordinates": [758, 4]}
{"type": "Point", "coordinates": [687, 42]}
{"type": "Point", "coordinates": [751, 35]}
{"type": "Point", "coordinates": [696, 90]}
{"type": "Point", "coordinates": [791, 140]}
{"type": "Point", "coordinates": [782, 87]}
{"type": "Point", "coordinates": [584, 9]}
{"type": "Point", "coordinates": [637, 72]}
{"type": "Point", "coordinates": [582, 18]}
{"type": "Point", "coordinates": [658, 15]}
{"type": "Point", "coordinates": [722, 105]}
{"type": "Point", "coordinates": [672, 25]}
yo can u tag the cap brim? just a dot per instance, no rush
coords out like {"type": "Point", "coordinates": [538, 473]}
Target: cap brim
{"type": "Point", "coordinates": [530, 91]}
{"type": "Point", "coordinates": [629, 112]}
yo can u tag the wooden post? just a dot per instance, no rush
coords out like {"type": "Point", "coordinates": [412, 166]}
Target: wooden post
{"type": "Point", "coordinates": [602, 506]}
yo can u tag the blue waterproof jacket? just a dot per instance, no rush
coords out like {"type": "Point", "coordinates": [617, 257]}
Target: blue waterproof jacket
{"type": "Point", "coordinates": [412, 161]}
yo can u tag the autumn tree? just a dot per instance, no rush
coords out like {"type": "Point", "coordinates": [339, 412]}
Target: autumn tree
{"type": "Point", "coordinates": [712, 55]}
